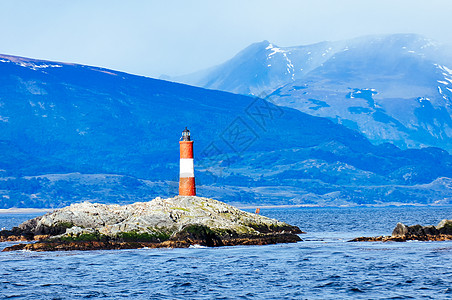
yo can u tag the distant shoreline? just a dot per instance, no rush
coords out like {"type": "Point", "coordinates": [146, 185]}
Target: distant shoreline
{"type": "Point", "coordinates": [25, 210]}
{"type": "Point", "coordinates": [277, 206]}
{"type": "Point", "coordinates": [391, 204]}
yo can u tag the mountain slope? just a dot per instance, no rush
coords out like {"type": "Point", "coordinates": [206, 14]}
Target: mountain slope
{"type": "Point", "coordinates": [394, 88]}
{"type": "Point", "coordinates": [80, 115]}
{"type": "Point", "coordinates": [63, 118]}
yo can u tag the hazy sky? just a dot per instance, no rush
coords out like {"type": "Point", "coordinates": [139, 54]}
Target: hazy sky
{"type": "Point", "coordinates": [177, 37]}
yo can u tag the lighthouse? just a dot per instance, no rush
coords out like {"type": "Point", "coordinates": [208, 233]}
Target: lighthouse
{"type": "Point", "coordinates": [187, 174]}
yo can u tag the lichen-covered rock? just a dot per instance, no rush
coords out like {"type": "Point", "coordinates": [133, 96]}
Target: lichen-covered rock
{"type": "Point", "coordinates": [186, 220]}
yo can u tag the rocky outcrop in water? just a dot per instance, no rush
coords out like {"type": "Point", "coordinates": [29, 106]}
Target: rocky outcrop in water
{"type": "Point", "coordinates": [173, 222]}
{"type": "Point", "coordinates": [402, 233]}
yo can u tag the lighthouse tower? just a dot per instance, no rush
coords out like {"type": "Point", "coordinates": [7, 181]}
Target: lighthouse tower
{"type": "Point", "coordinates": [187, 174]}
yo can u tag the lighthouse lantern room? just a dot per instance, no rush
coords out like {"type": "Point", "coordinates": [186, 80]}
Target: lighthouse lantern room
{"type": "Point", "coordinates": [185, 135]}
{"type": "Point", "coordinates": [187, 175]}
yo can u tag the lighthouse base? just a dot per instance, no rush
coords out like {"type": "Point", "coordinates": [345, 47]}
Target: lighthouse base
{"type": "Point", "coordinates": [187, 186]}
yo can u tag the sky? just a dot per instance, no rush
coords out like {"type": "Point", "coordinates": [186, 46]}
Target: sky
{"type": "Point", "coordinates": [169, 37]}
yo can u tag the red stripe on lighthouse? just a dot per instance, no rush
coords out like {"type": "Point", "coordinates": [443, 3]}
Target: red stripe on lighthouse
{"type": "Point", "coordinates": [186, 149]}
{"type": "Point", "coordinates": [187, 186]}
{"type": "Point", "coordinates": [187, 176]}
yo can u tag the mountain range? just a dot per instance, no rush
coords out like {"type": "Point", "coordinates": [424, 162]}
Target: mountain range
{"type": "Point", "coordinates": [70, 133]}
{"type": "Point", "coordinates": [391, 88]}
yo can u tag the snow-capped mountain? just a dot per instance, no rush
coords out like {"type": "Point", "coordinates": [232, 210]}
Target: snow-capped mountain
{"type": "Point", "coordinates": [262, 67]}
{"type": "Point", "coordinates": [391, 88]}
{"type": "Point", "coordinates": [71, 132]}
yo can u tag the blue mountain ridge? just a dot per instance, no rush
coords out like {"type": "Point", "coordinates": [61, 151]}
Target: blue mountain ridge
{"type": "Point", "coordinates": [72, 132]}
{"type": "Point", "coordinates": [392, 88]}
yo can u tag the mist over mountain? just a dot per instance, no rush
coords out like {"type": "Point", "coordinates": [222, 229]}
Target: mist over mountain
{"type": "Point", "coordinates": [391, 88]}
{"type": "Point", "coordinates": [71, 132]}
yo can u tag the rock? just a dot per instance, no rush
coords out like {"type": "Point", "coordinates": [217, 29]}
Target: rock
{"type": "Point", "coordinates": [198, 234]}
{"type": "Point", "coordinates": [400, 230]}
{"type": "Point", "coordinates": [430, 230]}
{"type": "Point", "coordinates": [445, 227]}
{"type": "Point", "coordinates": [15, 234]}
{"type": "Point", "coordinates": [172, 222]}
{"type": "Point", "coordinates": [402, 233]}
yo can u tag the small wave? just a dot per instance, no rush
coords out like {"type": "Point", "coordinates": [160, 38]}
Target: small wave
{"type": "Point", "coordinates": [328, 284]}
{"type": "Point", "coordinates": [402, 297]}
{"type": "Point", "coordinates": [14, 296]}
{"type": "Point", "coordinates": [196, 246]}
{"type": "Point", "coordinates": [26, 250]}
{"type": "Point", "coordinates": [356, 290]}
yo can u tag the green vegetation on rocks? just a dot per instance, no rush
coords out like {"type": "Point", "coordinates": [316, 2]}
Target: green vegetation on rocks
{"type": "Point", "coordinates": [133, 236]}
{"type": "Point", "coordinates": [94, 236]}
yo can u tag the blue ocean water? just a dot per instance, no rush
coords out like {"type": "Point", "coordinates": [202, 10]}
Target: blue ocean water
{"type": "Point", "coordinates": [323, 266]}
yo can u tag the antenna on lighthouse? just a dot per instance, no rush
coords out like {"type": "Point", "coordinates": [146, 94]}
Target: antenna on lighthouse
{"type": "Point", "coordinates": [187, 174]}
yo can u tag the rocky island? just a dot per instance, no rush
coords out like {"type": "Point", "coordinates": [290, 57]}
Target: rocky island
{"type": "Point", "coordinates": [181, 221]}
{"type": "Point", "coordinates": [403, 233]}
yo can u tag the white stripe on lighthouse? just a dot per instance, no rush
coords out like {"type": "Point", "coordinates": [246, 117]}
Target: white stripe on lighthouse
{"type": "Point", "coordinates": [186, 167]}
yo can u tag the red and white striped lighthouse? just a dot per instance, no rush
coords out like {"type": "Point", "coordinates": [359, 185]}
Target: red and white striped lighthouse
{"type": "Point", "coordinates": [187, 174]}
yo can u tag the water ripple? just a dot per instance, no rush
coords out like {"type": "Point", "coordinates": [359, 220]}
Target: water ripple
{"type": "Point", "coordinates": [321, 267]}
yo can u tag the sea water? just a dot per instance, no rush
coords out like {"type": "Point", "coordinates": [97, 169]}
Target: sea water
{"type": "Point", "coordinates": [324, 266]}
